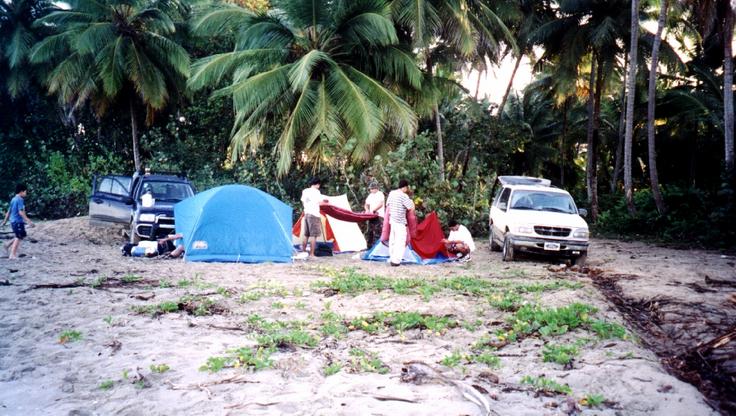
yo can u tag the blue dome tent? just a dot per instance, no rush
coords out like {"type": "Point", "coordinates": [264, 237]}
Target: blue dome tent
{"type": "Point", "coordinates": [234, 223]}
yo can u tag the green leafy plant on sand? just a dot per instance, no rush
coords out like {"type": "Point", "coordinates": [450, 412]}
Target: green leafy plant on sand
{"type": "Point", "coordinates": [131, 278]}
{"type": "Point", "coordinates": [333, 325]}
{"type": "Point", "coordinates": [250, 358]}
{"type": "Point", "coordinates": [106, 385]}
{"type": "Point", "coordinates": [403, 321]}
{"type": "Point", "coordinates": [546, 384]}
{"type": "Point", "coordinates": [608, 330]}
{"type": "Point", "coordinates": [160, 368]}
{"type": "Point", "coordinates": [593, 400]}
{"type": "Point", "coordinates": [560, 354]}
{"type": "Point", "coordinates": [332, 369]}
{"type": "Point", "coordinates": [70, 335]}
{"type": "Point", "coordinates": [362, 361]}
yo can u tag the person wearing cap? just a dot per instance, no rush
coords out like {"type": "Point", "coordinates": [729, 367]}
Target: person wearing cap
{"type": "Point", "coordinates": [311, 199]}
{"type": "Point", "coordinates": [374, 204]}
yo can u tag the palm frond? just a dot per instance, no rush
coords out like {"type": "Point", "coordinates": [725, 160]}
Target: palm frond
{"type": "Point", "coordinates": [301, 119]}
{"type": "Point", "coordinates": [301, 72]}
{"type": "Point", "coordinates": [359, 113]}
{"type": "Point", "coordinates": [223, 19]}
{"type": "Point", "coordinates": [211, 70]}
{"type": "Point", "coordinates": [146, 78]}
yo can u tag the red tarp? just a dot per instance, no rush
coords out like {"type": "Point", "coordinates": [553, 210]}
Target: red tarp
{"type": "Point", "coordinates": [425, 238]}
{"type": "Point", "coordinates": [427, 241]}
{"type": "Point", "coordinates": [345, 214]}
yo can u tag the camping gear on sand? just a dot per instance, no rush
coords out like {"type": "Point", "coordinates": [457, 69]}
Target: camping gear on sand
{"type": "Point", "coordinates": [234, 223]}
{"type": "Point", "coordinates": [425, 244]}
{"type": "Point", "coordinates": [346, 236]}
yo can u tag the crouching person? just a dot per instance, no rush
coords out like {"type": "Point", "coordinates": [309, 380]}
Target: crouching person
{"type": "Point", "coordinates": [459, 243]}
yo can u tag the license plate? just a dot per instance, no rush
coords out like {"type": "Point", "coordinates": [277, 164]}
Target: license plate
{"type": "Point", "coordinates": [552, 246]}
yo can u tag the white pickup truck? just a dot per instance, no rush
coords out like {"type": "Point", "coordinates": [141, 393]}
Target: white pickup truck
{"type": "Point", "coordinates": [530, 215]}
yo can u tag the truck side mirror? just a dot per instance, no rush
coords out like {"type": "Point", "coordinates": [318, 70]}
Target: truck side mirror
{"type": "Point", "coordinates": [583, 212]}
{"type": "Point", "coordinates": [129, 201]}
{"type": "Point", "coordinates": [502, 206]}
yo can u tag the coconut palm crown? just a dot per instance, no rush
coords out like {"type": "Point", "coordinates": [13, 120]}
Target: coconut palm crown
{"type": "Point", "coordinates": [318, 71]}
{"type": "Point", "coordinates": [110, 52]}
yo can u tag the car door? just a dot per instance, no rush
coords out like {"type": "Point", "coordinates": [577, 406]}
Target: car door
{"type": "Point", "coordinates": [110, 200]}
{"type": "Point", "coordinates": [498, 213]}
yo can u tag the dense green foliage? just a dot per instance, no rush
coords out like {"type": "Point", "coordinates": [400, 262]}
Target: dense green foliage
{"type": "Point", "coordinates": [355, 90]}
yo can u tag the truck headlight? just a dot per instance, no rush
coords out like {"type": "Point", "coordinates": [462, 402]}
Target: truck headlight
{"type": "Point", "coordinates": [582, 233]}
{"type": "Point", "coordinates": [147, 218]}
{"type": "Point", "coordinates": [523, 229]}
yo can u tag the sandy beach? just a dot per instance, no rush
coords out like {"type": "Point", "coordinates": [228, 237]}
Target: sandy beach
{"type": "Point", "coordinates": [86, 331]}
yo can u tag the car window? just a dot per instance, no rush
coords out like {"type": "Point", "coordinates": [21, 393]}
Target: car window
{"type": "Point", "coordinates": [504, 197]}
{"type": "Point", "coordinates": [118, 188]}
{"type": "Point", "coordinates": [167, 191]}
{"type": "Point", "coordinates": [497, 196]}
{"type": "Point", "coordinates": [543, 201]}
{"type": "Point", "coordinates": [105, 185]}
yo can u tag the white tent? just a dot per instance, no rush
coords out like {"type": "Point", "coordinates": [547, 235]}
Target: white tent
{"type": "Point", "coordinates": [347, 235]}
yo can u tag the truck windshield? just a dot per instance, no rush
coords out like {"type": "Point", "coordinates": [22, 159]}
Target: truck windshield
{"type": "Point", "coordinates": [543, 201]}
{"type": "Point", "coordinates": [167, 191]}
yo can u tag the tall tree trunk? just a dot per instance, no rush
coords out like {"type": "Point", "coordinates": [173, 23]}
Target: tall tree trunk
{"type": "Point", "coordinates": [600, 79]}
{"type": "Point", "coordinates": [438, 123]}
{"type": "Point", "coordinates": [565, 108]}
{"type": "Point", "coordinates": [631, 94]}
{"type": "Point", "coordinates": [728, 92]}
{"type": "Point", "coordinates": [508, 87]}
{"type": "Point", "coordinates": [590, 165]}
{"type": "Point", "coordinates": [134, 133]}
{"type": "Point", "coordinates": [619, 162]}
{"type": "Point", "coordinates": [440, 144]}
{"type": "Point", "coordinates": [651, 101]}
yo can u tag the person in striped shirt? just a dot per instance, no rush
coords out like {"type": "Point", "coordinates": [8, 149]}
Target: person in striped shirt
{"type": "Point", "coordinates": [398, 204]}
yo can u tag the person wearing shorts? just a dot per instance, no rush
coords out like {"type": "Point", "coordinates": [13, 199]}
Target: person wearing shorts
{"type": "Point", "coordinates": [18, 219]}
{"type": "Point", "coordinates": [311, 199]}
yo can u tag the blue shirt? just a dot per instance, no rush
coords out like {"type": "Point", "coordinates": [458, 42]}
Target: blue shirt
{"type": "Point", "coordinates": [16, 206]}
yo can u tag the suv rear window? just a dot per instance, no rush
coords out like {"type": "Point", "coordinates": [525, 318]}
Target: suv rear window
{"type": "Point", "coordinates": [543, 201]}
{"type": "Point", "coordinates": [167, 191]}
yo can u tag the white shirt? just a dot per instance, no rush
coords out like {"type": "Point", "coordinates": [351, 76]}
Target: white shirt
{"type": "Point", "coordinates": [375, 199]}
{"type": "Point", "coordinates": [311, 197]}
{"type": "Point", "coordinates": [462, 234]}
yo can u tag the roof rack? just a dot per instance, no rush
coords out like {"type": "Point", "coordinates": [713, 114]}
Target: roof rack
{"type": "Point", "coordinates": [523, 180]}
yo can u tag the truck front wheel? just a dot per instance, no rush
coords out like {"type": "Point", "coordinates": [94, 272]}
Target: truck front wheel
{"type": "Point", "coordinates": [507, 252]}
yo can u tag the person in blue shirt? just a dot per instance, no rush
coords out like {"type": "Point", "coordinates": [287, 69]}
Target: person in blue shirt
{"type": "Point", "coordinates": [18, 220]}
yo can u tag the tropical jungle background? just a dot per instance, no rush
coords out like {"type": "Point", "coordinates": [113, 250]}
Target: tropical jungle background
{"type": "Point", "coordinates": [631, 106]}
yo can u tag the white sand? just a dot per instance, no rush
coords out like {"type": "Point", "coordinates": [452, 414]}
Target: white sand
{"type": "Point", "coordinates": [41, 376]}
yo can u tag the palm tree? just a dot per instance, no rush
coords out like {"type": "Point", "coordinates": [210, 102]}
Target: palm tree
{"type": "Point", "coordinates": [115, 52]}
{"type": "Point", "coordinates": [631, 97]}
{"type": "Point", "coordinates": [715, 19]}
{"type": "Point", "coordinates": [469, 28]}
{"type": "Point", "coordinates": [652, 94]}
{"type": "Point", "coordinates": [582, 34]}
{"type": "Point", "coordinates": [17, 36]}
{"type": "Point", "coordinates": [320, 71]}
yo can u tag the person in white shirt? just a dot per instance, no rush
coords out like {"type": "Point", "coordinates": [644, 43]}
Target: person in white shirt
{"type": "Point", "coordinates": [311, 199]}
{"type": "Point", "coordinates": [374, 204]}
{"type": "Point", "coordinates": [459, 243]}
{"type": "Point", "coordinates": [398, 204]}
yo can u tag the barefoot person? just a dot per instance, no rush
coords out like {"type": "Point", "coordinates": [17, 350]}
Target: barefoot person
{"type": "Point", "coordinates": [311, 199]}
{"type": "Point", "coordinates": [18, 220]}
{"type": "Point", "coordinates": [168, 246]}
{"type": "Point", "coordinates": [459, 243]}
{"type": "Point", "coordinates": [398, 204]}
